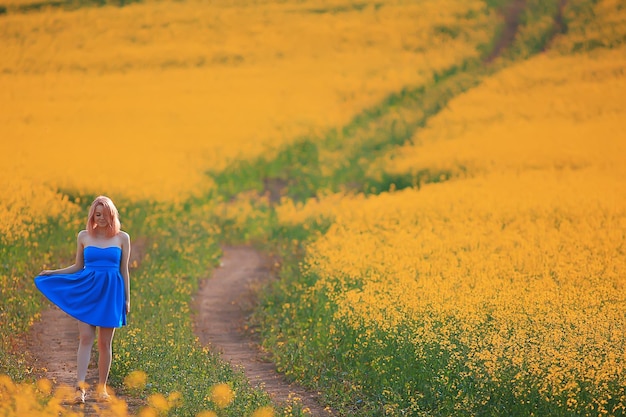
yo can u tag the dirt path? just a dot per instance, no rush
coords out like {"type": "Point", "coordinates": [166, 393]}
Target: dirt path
{"type": "Point", "coordinates": [222, 306]}
{"type": "Point", "coordinates": [511, 14]}
{"type": "Point", "coordinates": [53, 342]}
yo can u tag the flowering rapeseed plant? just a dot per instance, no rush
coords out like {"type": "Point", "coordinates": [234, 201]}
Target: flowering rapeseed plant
{"type": "Point", "coordinates": [350, 61]}
{"type": "Point", "coordinates": [222, 395]}
{"type": "Point", "coordinates": [136, 380]}
{"type": "Point", "coordinates": [499, 289]}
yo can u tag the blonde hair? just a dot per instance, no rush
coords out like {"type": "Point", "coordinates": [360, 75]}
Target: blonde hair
{"type": "Point", "coordinates": [110, 213]}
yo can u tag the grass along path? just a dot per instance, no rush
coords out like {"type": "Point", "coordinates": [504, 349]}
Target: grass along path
{"type": "Point", "coordinates": [221, 308]}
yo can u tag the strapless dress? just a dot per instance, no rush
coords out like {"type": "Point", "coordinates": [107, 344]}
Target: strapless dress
{"type": "Point", "coordinates": [95, 295]}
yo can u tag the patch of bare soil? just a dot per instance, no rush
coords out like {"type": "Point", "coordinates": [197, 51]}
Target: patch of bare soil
{"type": "Point", "coordinates": [222, 306]}
{"type": "Point", "coordinates": [512, 14]}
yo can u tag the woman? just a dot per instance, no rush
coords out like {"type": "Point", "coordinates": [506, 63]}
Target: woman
{"type": "Point", "coordinates": [95, 289]}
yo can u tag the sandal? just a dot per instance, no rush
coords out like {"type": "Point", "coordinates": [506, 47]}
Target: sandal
{"type": "Point", "coordinates": [79, 398]}
{"type": "Point", "coordinates": [103, 397]}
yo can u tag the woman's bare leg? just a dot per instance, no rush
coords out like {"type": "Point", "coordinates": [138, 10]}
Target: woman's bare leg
{"type": "Point", "coordinates": [87, 335]}
{"type": "Point", "coordinates": [105, 349]}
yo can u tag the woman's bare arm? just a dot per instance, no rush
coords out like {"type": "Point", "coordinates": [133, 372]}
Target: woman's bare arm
{"type": "Point", "coordinates": [79, 262]}
{"type": "Point", "coordinates": [124, 267]}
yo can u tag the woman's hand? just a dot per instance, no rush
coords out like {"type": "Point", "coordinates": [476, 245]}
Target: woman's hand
{"type": "Point", "coordinates": [46, 272]}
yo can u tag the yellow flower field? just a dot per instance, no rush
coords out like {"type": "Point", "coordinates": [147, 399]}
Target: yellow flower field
{"type": "Point", "coordinates": [495, 283]}
{"type": "Point", "coordinates": [515, 267]}
{"type": "Point", "coordinates": [550, 112]}
{"type": "Point", "coordinates": [140, 101]}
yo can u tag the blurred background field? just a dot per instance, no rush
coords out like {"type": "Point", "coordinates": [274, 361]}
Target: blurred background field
{"type": "Point", "coordinates": [450, 222]}
{"type": "Point", "coordinates": [170, 90]}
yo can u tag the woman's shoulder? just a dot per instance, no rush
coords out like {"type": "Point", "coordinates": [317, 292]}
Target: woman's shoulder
{"type": "Point", "coordinates": [124, 236]}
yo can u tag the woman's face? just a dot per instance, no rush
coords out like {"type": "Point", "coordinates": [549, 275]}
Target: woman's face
{"type": "Point", "coordinates": [100, 218]}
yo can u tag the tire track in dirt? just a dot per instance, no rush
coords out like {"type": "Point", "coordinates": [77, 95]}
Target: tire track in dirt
{"type": "Point", "coordinates": [222, 307]}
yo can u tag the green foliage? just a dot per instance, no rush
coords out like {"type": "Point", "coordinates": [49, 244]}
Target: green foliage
{"type": "Point", "coordinates": [341, 158]}
{"type": "Point", "coordinates": [159, 339]}
{"type": "Point", "coordinates": [179, 246]}
{"type": "Point", "coordinates": [181, 243]}
{"type": "Point", "coordinates": [37, 6]}
{"type": "Point", "coordinates": [590, 27]}
{"type": "Point", "coordinates": [297, 319]}
{"type": "Point", "coordinates": [20, 301]}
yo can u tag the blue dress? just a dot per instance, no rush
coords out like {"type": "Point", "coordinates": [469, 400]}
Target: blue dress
{"type": "Point", "coordinates": [95, 295]}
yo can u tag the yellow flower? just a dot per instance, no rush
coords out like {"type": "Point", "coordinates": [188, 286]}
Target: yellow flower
{"type": "Point", "coordinates": [45, 386]}
{"type": "Point", "coordinates": [206, 414]}
{"type": "Point", "coordinates": [264, 412]}
{"type": "Point", "coordinates": [148, 412]}
{"type": "Point", "coordinates": [6, 384]}
{"type": "Point", "coordinates": [174, 399]}
{"type": "Point", "coordinates": [136, 380]}
{"type": "Point", "coordinates": [222, 395]}
{"type": "Point", "coordinates": [158, 402]}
